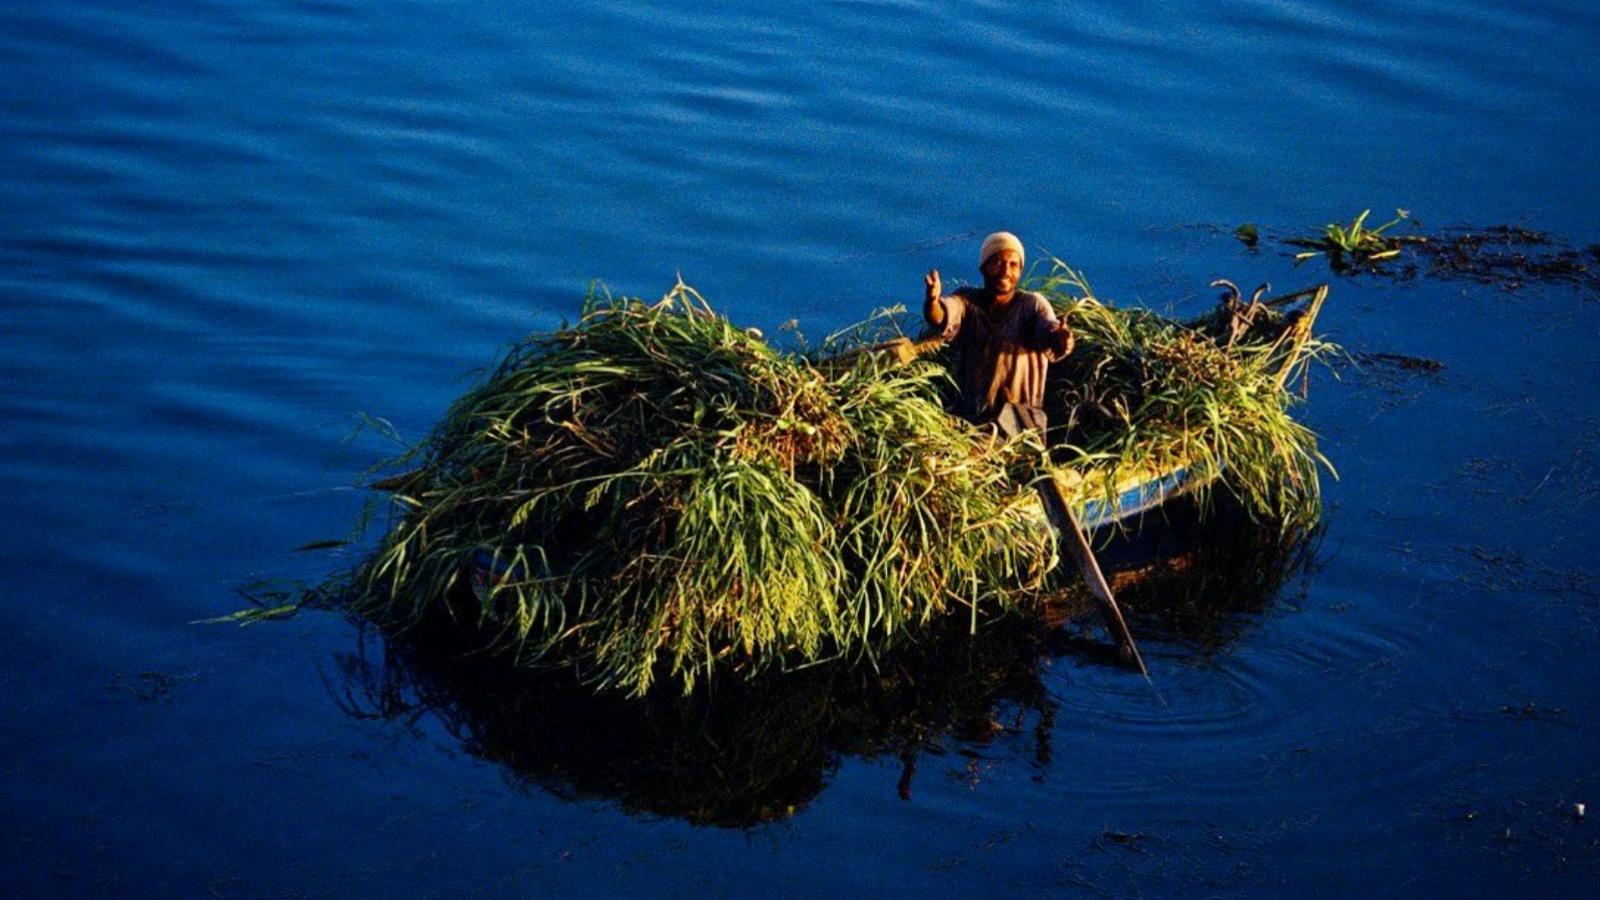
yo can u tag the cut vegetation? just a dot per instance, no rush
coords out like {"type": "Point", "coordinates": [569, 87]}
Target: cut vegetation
{"type": "Point", "coordinates": [654, 494]}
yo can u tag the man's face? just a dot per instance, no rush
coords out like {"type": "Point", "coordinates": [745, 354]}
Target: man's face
{"type": "Point", "coordinates": [1001, 272]}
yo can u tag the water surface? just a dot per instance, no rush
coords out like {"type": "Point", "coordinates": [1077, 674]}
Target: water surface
{"type": "Point", "coordinates": [225, 229]}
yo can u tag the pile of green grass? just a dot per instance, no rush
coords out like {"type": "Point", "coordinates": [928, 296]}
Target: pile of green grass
{"type": "Point", "coordinates": [668, 495]}
{"type": "Point", "coordinates": [1142, 393]}
{"type": "Point", "coordinates": [671, 495]}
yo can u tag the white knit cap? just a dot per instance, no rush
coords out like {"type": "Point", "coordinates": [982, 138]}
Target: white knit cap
{"type": "Point", "coordinates": [1001, 240]}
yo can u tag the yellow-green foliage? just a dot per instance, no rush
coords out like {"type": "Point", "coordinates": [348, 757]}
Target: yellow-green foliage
{"type": "Point", "coordinates": [1143, 393]}
{"type": "Point", "coordinates": [1360, 243]}
{"type": "Point", "coordinates": [671, 494]}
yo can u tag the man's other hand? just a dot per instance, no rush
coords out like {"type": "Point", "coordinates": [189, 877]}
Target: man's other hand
{"type": "Point", "coordinates": [1062, 340]}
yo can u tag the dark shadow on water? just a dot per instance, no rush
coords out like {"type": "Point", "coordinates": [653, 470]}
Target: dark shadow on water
{"type": "Point", "coordinates": [746, 752]}
{"type": "Point", "coordinates": [1202, 578]}
{"type": "Point", "coordinates": [736, 755]}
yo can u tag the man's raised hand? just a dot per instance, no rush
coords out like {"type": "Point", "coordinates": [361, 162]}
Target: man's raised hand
{"type": "Point", "coordinates": [932, 309]}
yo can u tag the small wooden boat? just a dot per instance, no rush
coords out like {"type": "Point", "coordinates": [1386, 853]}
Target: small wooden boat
{"type": "Point", "coordinates": [1279, 326]}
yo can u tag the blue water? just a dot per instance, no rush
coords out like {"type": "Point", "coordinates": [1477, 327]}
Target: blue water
{"type": "Point", "coordinates": [228, 228]}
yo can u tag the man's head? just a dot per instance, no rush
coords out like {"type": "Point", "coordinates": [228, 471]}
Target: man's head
{"type": "Point", "coordinates": [1000, 261]}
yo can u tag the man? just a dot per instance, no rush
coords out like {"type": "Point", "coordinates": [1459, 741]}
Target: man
{"type": "Point", "coordinates": [1005, 339]}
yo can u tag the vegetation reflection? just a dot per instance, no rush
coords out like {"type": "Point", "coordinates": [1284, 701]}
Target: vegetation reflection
{"type": "Point", "coordinates": [736, 753]}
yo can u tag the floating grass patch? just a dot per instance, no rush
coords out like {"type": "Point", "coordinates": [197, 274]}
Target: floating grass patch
{"type": "Point", "coordinates": [1506, 256]}
{"type": "Point", "coordinates": [1354, 245]}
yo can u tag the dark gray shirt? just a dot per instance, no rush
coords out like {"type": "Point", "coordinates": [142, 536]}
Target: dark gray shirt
{"type": "Point", "coordinates": [1001, 355]}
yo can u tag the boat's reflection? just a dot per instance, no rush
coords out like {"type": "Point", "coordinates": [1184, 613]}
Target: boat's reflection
{"type": "Point", "coordinates": [749, 752]}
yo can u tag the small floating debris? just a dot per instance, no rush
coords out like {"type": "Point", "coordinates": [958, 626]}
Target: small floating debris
{"type": "Point", "coordinates": [1133, 840]}
{"type": "Point", "coordinates": [148, 686]}
{"type": "Point", "coordinates": [1394, 376]}
{"type": "Point", "coordinates": [1530, 710]}
{"type": "Point", "coordinates": [1401, 362]}
{"type": "Point", "coordinates": [1510, 257]}
{"type": "Point", "coordinates": [320, 545]}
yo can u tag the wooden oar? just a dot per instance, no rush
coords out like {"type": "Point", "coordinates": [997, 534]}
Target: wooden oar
{"type": "Point", "coordinates": [1076, 542]}
{"type": "Point", "coordinates": [1059, 512]}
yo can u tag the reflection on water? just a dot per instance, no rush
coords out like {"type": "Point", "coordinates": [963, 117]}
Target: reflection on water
{"type": "Point", "coordinates": [740, 754]}
{"type": "Point", "coordinates": [229, 226]}
{"type": "Point", "coordinates": [1201, 576]}
{"type": "Point", "coordinates": [745, 752]}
